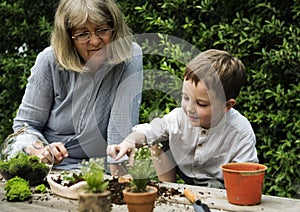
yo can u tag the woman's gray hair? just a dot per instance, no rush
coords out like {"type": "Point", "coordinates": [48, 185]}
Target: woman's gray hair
{"type": "Point", "coordinates": [73, 13]}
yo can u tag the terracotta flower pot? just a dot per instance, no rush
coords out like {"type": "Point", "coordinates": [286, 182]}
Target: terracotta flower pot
{"type": "Point", "coordinates": [94, 202]}
{"type": "Point", "coordinates": [137, 202]}
{"type": "Point", "coordinates": [244, 182]}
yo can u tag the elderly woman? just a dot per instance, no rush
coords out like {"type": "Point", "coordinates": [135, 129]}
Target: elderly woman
{"type": "Point", "coordinates": [84, 91]}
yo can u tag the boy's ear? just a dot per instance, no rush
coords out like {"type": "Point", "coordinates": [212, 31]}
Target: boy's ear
{"type": "Point", "coordinates": [229, 104]}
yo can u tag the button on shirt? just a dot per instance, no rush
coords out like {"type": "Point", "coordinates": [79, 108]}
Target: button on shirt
{"type": "Point", "coordinates": [200, 152]}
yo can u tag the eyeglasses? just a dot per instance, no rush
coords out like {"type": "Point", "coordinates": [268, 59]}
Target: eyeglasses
{"type": "Point", "coordinates": [86, 36]}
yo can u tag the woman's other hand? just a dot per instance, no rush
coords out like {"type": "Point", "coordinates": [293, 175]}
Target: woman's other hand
{"type": "Point", "coordinates": [55, 151]}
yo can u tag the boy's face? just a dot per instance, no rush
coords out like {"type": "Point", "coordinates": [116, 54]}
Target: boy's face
{"type": "Point", "coordinates": [199, 106]}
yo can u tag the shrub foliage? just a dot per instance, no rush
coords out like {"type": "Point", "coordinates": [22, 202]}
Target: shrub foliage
{"type": "Point", "coordinates": [265, 35]}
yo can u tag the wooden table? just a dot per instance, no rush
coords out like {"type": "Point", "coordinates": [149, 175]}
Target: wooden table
{"type": "Point", "coordinates": [214, 198]}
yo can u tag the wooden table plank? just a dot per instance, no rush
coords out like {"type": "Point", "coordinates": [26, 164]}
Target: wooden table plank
{"type": "Point", "coordinates": [214, 198]}
{"type": "Point", "coordinates": [54, 203]}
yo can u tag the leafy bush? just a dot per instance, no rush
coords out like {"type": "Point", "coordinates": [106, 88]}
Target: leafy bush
{"type": "Point", "coordinates": [25, 30]}
{"type": "Point", "coordinates": [265, 35]}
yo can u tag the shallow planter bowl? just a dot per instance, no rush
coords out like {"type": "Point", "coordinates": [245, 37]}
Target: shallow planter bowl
{"type": "Point", "coordinates": [70, 192]}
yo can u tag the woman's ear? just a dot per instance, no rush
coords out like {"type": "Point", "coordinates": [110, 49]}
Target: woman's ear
{"type": "Point", "coordinates": [229, 104]}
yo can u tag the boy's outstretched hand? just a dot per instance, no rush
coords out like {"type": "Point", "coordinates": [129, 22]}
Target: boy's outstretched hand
{"type": "Point", "coordinates": [127, 146]}
{"type": "Point", "coordinates": [118, 151]}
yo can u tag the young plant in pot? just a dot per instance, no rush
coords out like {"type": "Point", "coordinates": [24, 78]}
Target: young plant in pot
{"type": "Point", "coordinates": [140, 196]}
{"type": "Point", "coordinates": [95, 197]}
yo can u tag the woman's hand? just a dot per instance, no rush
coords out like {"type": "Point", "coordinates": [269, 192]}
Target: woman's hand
{"type": "Point", "coordinates": [55, 151]}
{"type": "Point", "coordinates": [58, 150]}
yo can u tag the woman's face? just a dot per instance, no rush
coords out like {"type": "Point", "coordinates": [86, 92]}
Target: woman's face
{"type": "Point", "coordinates": [90, 47]}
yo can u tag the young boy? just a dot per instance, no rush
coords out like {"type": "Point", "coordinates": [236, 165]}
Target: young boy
{"type": "Point", "coordinates": [206, 131]}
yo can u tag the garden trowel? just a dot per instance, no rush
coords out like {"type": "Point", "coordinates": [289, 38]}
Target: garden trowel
{"type": "Point", "coordinates": [197, 204]}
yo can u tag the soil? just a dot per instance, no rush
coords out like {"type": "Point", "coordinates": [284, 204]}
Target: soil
{"type": "Point", "coordinates": [116, 189]}
{"type": "Point", "coordinates": [75, 179]}
{"type": "Point", "coordinates": [117, 196]}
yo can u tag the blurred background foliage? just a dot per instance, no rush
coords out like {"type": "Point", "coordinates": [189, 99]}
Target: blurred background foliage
{"type": "Point", "coordinates": [265, 35]}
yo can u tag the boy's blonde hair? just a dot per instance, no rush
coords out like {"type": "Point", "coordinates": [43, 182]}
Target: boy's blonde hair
{"type": "Point", "coordinates": [73, 13]}
{"type": "Point", "coordinates": [215, 67]}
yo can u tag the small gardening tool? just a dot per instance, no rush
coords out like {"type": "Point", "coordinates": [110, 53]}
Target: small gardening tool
{"type": "Point", "coordinates": [197, 204]}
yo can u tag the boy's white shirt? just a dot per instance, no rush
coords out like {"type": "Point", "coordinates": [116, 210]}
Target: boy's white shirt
{"type": "Point", "coordinates": [200, 152]}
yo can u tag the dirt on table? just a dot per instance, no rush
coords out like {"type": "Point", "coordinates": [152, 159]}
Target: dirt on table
{"type": "Point", "coordinates": [116, 189]}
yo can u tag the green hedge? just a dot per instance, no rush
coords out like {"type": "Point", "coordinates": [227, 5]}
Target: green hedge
{"type": "Point", "coordinates": [265, 36]}
{"type": "Point", "coordinates": [25, 29]}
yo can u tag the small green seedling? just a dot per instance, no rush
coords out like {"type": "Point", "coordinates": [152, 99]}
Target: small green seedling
{"type": "Point", "coordinates": [142, 169]}
{"type": "Point", "coordinates": [93, 173]}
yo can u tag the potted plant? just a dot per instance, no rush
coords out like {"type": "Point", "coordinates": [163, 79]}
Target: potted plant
{"type": "Point", "coordinates": [95, 197]}
{"type": "Point", "coordinates": [140, 196]}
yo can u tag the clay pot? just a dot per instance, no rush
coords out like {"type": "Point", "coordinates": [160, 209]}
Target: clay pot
{"type": "Point", "coordinates": [244, 182]}
{"type": "Point", "coordinates": [94, 202]}
{"type": "Point", "coordinates": [137, 202]}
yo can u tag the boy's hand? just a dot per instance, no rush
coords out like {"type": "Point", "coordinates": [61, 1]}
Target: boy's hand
{"type": "Point", "coordinates": [127, 146]}
{"type": "Point", "coordinates": [118, 151]}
